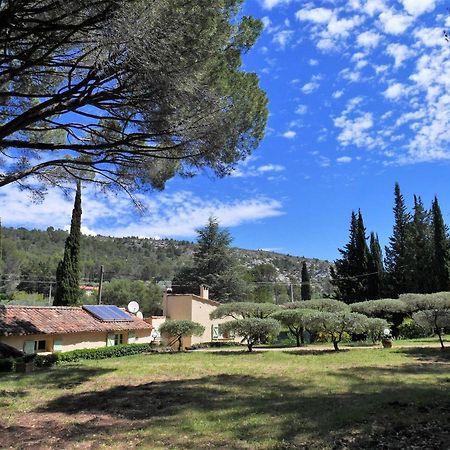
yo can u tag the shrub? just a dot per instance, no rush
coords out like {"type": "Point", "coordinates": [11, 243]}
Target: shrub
{"type": "Point", "coordinates": [7, 365]}
{"type": "Point", "coordinates": [91, 353]}
{"type": "Point", "coordinates": [409, 329]}
{"type": "Point", "coordinates": [253, 329]}
{"type": "Point", "coordinates": [244, 310]}
{"type": "Point", "coordinates": [375, 328]}
{"type": "Point", "coordinates": [178, 329]}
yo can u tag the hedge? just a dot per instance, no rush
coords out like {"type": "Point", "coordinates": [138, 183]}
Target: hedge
{"type": "Point", "coordinates": [7, 365]}
{"type": "Point", "coordinates": [91, 353]}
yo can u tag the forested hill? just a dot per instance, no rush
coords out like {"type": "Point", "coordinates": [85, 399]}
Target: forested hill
{"type": "Point", "coordinates": [32, 256]}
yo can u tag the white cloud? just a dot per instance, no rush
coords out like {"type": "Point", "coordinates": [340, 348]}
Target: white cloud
{"type": "Point", "coordinates": [368, 39]}
{"type": "Point", "coordinates": [418, 7]}
{"type": "Point", "coordinates": [310, 87]}
{"type": "Point", "coordinates": [354, 131]}
{"type": "Point", "coordinates": [431, 37]}
{"type": "Point", "coordinates": [316, 15]}
{"type": "Point", "coordinates": [313, 62]}
{"type": "Point", "coordinates": [167, 215]}
{"type": "Point", "coordinates": [395, 91]}
{"type": "Point", "coordinates": [341, 27]}
{"type": "Point", "coordinates": [269, 4]}
{"type": "Point", "coordinates": [282, 38]}
{"type": "Point", "coordinates": [373, 6]}
{"type": "Point", "coordinates": [344, 159]}
{"type": "Point", "coordinates": [301, 109]}
{"type": "Point", "coordinates": [399, 52]}
{"type": "Point", "coordinates": [271, 168]}
{"type": "Point", "coordinates": [338, 94]}
{"type": "Point", "coordinates": [290, 134]}
{"type": "Point", "coordinates": [395, 23]}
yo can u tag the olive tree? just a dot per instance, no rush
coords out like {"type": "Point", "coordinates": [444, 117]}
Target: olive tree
{"type": "Point", "coordinates": [294, 320]}
{"type": "Point", "coordinates": [125, 94]}
{"type": "Point", "coordinates": [334, 325]}
{"type": "Point", "coordinates": [244, 310]}
{"type": "Point", "coordinates": [324, 304]}
{"type": "Point", "coordinates": [252, 329]}
{"type": "Point", "coordinates": [430, 311]}
{"type": "Point", "coordinates": [375, 328]}
{"type": "Point", "coordinates": [178, 329]}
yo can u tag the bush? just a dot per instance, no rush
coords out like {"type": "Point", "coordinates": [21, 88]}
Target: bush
{"type": "Point", "coordinates": [91, 353]}
{"type": "Point", "coordinates": [409, 329]}
{"type": "Point", "coordinates": [7, 365]}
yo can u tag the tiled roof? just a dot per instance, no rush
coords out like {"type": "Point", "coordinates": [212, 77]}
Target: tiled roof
{"type": "Point", "coordinates": [23, 320]}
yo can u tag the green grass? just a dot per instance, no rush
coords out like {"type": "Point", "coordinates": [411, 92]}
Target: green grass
{"type": "Point", "coordinates": [229, 400]}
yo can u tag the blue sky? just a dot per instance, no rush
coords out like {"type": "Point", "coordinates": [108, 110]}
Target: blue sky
{"type": "Point", "coordinates": [359, 97]}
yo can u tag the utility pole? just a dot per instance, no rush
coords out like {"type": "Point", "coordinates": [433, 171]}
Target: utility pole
{"type": "Point", "coordinates": [100, 285]}
{"type": "Point", "coordinates": [50, 294]}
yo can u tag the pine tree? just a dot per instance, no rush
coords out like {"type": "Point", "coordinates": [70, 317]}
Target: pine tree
{"type": "Point", "coordinates": [68, 271]}
{"type": "Point", "coordinates": [214, 265]}
{"type": "Point", "coordinates": [422, 249]}
{"type": "Point", "coordinates": [397, 262]}
{"type": "Point", "coordinates": [306, 283]}
{"type": "Point", "coordinates": [376, 269]}
{"type": "Point", "coordinates": [441, 256]}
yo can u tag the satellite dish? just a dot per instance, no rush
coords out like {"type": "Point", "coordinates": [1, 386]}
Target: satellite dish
{"type": "Point", "coordinates": [139, 315]}
{"type": "Point", "coordinates": [133, 307]}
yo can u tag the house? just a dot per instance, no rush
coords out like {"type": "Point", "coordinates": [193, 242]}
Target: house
{"type": "Point", "coordinates": [40, 329]}
{"type": "Point", "coordinates": [196, 308]}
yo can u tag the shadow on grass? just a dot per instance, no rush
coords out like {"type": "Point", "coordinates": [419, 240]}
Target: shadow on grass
{"type": "Point", "coordinates": [245, 411]}
{"type": "Point", "coordinates": [317, 352]}
{"type": "Point", "coordinates": [429, 354]}
{"type": "Point", "coordinates": [63, 377]}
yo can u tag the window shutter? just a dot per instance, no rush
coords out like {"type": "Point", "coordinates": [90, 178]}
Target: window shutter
{"type": "Point", "coordinates": [215, 331]}
{"type": "Point", "coordinates": [110, 340]}
{"type": "Point", "coordinates": [28, 347]}
{"type": "Point", "coordinates": [131, 337]}
{"type": "Point", "coordinates": [57, 345]}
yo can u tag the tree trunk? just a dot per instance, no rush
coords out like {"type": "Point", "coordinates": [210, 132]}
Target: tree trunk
{"type": "Point", "coordinates": [297, 336]}
{"type": "Point", "coordinates": [335, 345]}
{"type": "Point", "coordinates": [179, 344]}
{"type": "Point", "coordinates": [440, 337]}
{"type": "Point", "coordinates": [302, 338]}
{"type": "Point", "coordinates": [250, 346]}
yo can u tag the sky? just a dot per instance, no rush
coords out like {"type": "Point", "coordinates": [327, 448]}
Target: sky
{"type": "Point", "coordinates": [359, 98]}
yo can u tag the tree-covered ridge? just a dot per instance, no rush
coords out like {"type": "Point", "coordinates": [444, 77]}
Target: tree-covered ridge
{"type": "Point", "coordinates": [30, 257]}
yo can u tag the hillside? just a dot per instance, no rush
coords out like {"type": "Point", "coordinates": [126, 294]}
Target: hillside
{"type": "Point", "coordinates": [30, 258]}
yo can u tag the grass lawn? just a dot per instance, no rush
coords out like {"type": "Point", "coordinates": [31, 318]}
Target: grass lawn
{"type": "Point", "coordinates": [354, 399]}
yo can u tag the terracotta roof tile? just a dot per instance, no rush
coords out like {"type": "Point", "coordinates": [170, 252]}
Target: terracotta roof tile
{"type": "Point", "coordinates": [23, 320]}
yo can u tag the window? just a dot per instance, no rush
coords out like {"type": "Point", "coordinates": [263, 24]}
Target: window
{"type": "Point", "coordinates": [40, 346]}
{"type": "Point", "coordinates": [30, 347]}
{"type": "Point", "coordinates": [114, 339]}
{"type": "Point", "coordinates": [118, 339]}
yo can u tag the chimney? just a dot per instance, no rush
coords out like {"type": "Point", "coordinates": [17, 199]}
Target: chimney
{"type": "Point", "coordinates": [204, 291]}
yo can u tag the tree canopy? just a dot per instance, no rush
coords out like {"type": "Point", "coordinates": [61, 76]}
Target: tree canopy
{"type": "Point", "coordinates": [253, 329]}
{"type": "Point", "coordinates": [125, 93]}
{"type": "Point", "coordinates": [178, 329]}
{"type": "Point", "coordinates": [244, 310]}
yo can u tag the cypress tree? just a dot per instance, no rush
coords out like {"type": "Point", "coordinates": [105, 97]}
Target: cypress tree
{"type": "Point", "coordinates": [441, 257]}
{"type": "Point", "coordinates": [68, 271]}
{"type": "Point", "coordinates": [306, 283]}
{"type": "Point", "coordinates": [344, 271]}
{"type": "Point", "coordinates": [397, 262]}
{"type": "Point", "coordinates": [376, 269]}
{"type": "Point", "coordinates": [362, 259]}
{"type": "Point", "coordinates": [422, 249]}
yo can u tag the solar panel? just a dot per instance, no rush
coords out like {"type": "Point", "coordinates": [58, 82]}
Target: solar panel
{"type": "Point", "coordinates": [108, 313]}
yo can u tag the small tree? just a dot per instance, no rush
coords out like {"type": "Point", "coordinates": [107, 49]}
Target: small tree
{"type": "Point", "coordinates": [244, 310]}
{"type": "Point", "coordinates": [68, 271]}
{"type": "Point", "coordinates": [178, 329]}
{"type": "Point", "coordinates": [375, 328]}
{"type": "Point", "coordinates": [295, 320]}
{"type": "Point", "coordinates": [334, 325]}
{"type": "Point", "coordinates": [430, 311]}
{"type": "Point", "coordinates": [306, 283]}
{"type": "Point", "coordinates": [253, 329]}
{"type": "Point", "coordinates": [324, 304]}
